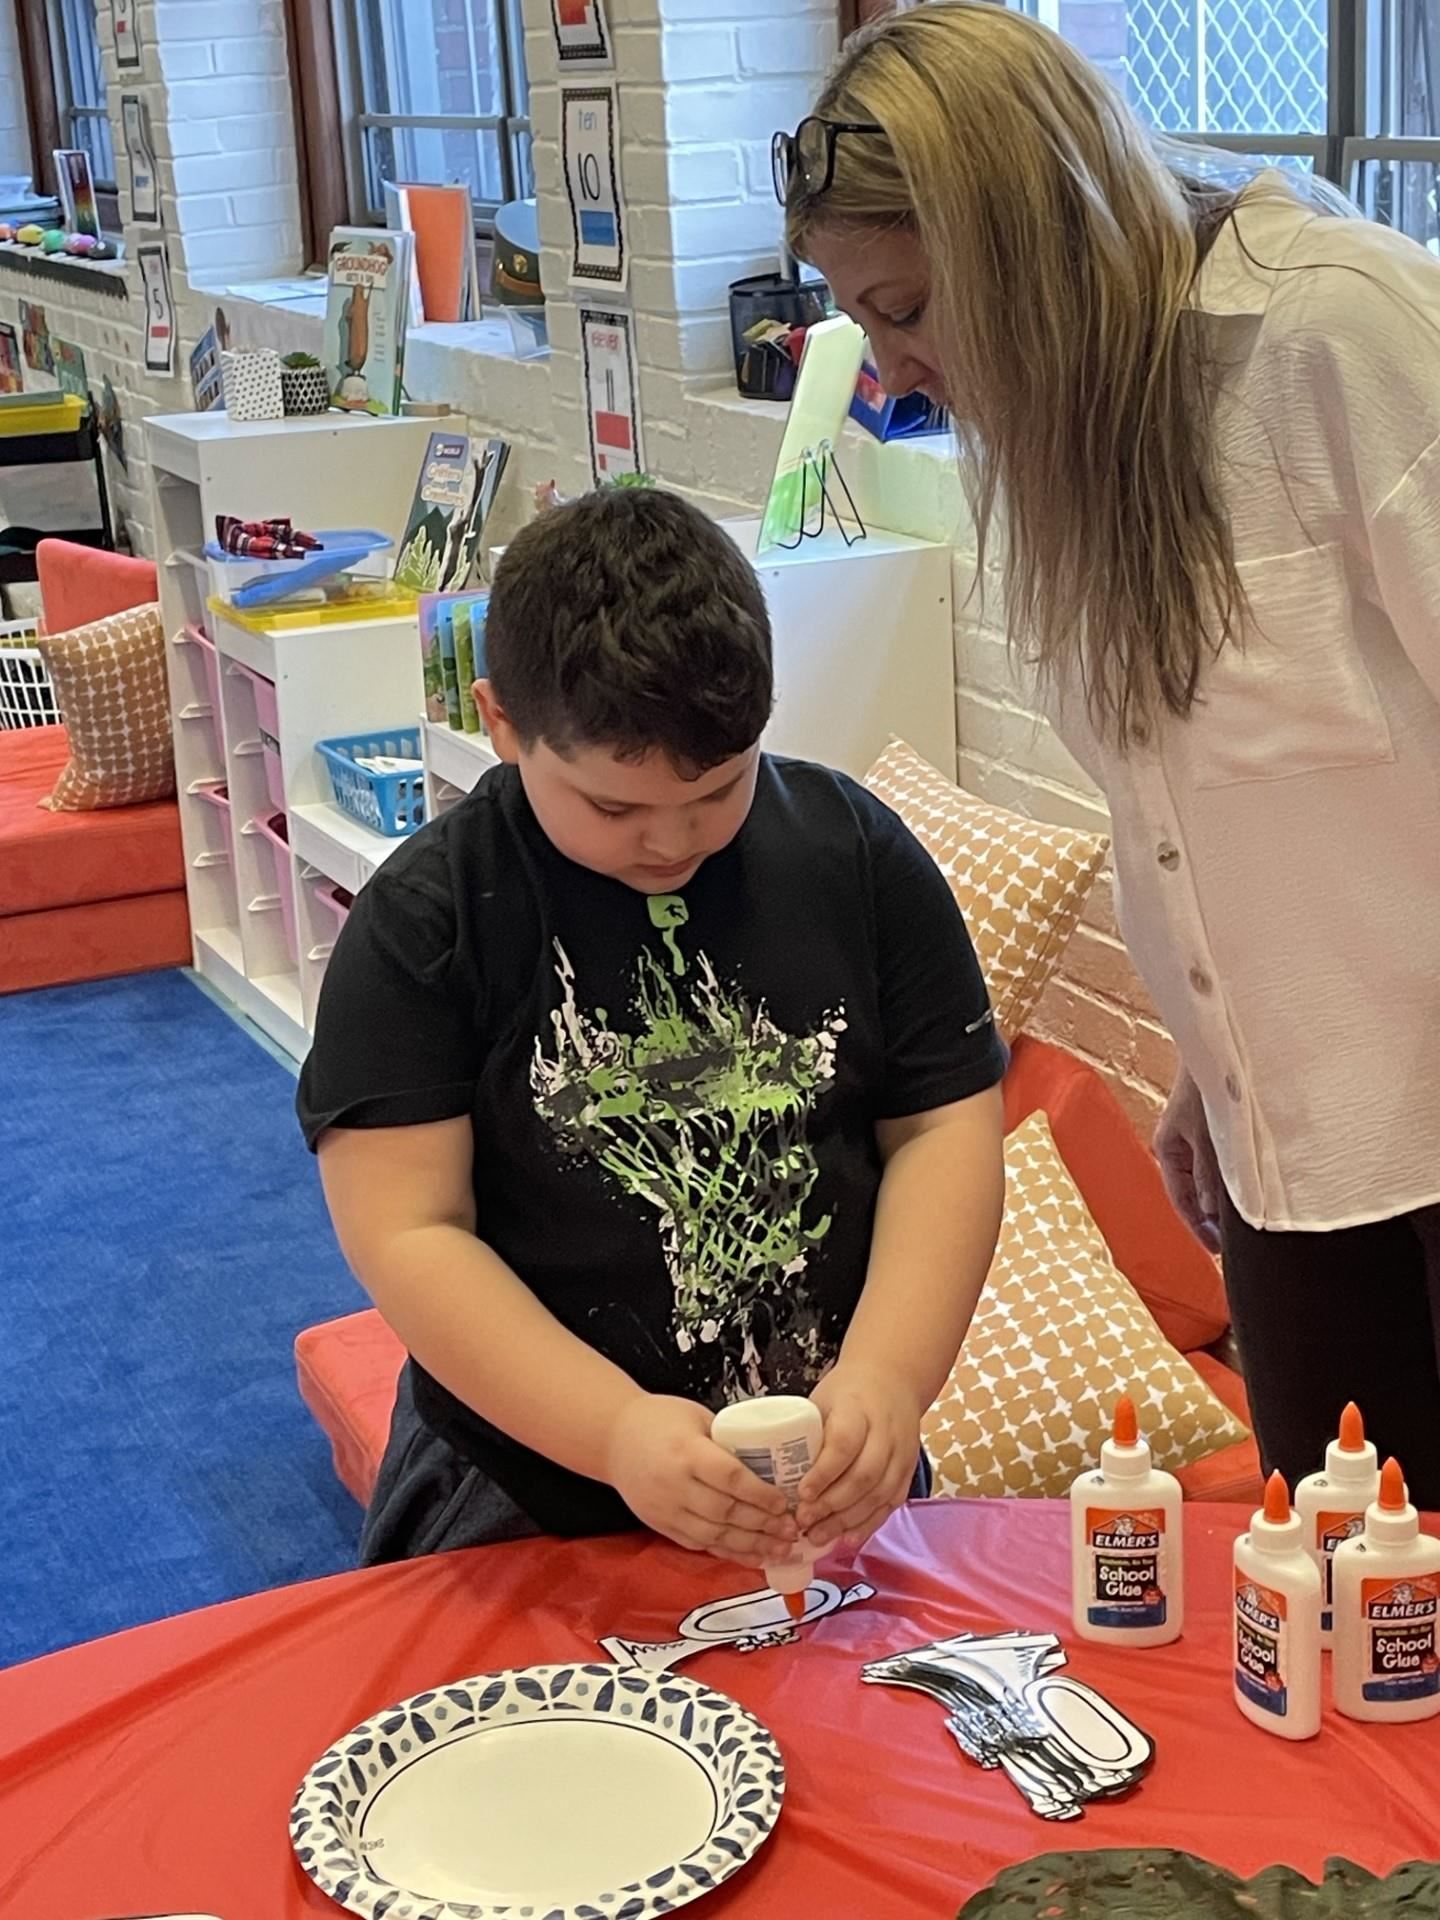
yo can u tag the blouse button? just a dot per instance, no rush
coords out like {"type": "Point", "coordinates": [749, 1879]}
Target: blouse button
{"type": "Point", "coordinates": [1168, 854]}
{"type": "Point", "coordinates": [1200, 980]}
{"type": "Point", "coordinates": [1232, 1086]}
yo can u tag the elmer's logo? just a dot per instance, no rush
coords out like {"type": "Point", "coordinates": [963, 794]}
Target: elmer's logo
{"type": "Point", "coordinates": [1406, 1600]}
{"type": "Point", "coordinates": [1343, 1527]}
{"type": "Point", "coordinates": [1128, 1532]}
{"type": "Point", "coordinates": [1259, 1607]}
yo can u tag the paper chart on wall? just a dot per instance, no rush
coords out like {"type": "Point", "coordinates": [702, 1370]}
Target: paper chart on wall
{"type": "Point", "coordinates": [127, 32]}
{"type": "Point", "coordinates": [139, 146]}
{"type": "Point", "coordinates": [746, 1622]}
{"type": "Point", "coordinates": [12, 374]}
{"type": "Point", "coordinates": [590, 123]}
{"type": "Point", "coordinates": [612, 393]}
{"type": "Point", "coordinates": [582, 38]}
{"type": "Point", "coordinates": [159, 309]}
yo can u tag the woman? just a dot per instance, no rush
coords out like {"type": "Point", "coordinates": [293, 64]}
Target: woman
{"type": "Point", "coordinates": [1213, 419]}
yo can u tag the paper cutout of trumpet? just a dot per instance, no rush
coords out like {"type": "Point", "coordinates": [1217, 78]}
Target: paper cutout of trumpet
{"type": "Point", "coordinates": [745, 1621]}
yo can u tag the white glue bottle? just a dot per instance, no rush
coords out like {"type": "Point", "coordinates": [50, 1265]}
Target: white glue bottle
{"type": "Point", "coordinates": [1332, 1504]}
{"type": "Point", "coordinates": [1127, 1552]}
{"type": "Point", "coordinates": [1387, 1596]}
{"type": "Point", "coordinates": [1277, 1621]}
{"type": "Point", "coordinates": [777, 1436]}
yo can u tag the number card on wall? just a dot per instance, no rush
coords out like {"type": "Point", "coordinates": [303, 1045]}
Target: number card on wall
{"type": "Point", "coordinates": [612, 404]}
{"type": "Point", "coordinates": [581, 36]}
{"type": "Point", "coordinates": [127, 33]}
{"type": "Point", "coordinates": [159, 309]}
{"type": "Point", "coordinates": [591, 123]}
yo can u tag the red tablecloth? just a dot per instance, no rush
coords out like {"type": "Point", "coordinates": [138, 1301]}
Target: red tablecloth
{"type": "Point", "coordinates": [154, 1770]}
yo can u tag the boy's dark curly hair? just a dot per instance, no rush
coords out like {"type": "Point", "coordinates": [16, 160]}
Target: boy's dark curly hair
{"type": "Point", "coordinates": [629, 620]}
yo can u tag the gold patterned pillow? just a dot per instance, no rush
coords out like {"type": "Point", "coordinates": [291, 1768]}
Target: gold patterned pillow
{"type": "Point", "coordinates": [1058, 1336]}
{"type": "Point", "coordinates": [110, 684]}
{"type": "Point", "coordinates": [1020, 885]}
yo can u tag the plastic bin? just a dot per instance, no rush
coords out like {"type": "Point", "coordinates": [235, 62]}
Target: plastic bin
{"type": "Point", "coordinates": [275, 836]}
{"type": "Point", "coordinates": [267, 715]}
{"type": "Point", "coordinates": [390, 803]}
{"type": "Point", "coordinates": [335, 897]}
{"type": "Point", "coordinates": [246, 581]}
{"type": "Point", "coordinates": [212, 670]}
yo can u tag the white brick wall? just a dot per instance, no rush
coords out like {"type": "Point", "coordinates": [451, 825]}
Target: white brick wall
{"type": "Point", "coordinates": [702, 86]}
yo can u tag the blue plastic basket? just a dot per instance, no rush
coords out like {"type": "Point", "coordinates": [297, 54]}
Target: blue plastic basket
{"type": "Point", "coordinates": [391, 803]}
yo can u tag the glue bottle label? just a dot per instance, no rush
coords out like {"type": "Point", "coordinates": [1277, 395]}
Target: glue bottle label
{"type": "Point", "coordinates": [1125, 1549]}
{"type": "Point", "coordinates": [1261, 1651]}
{"type": "Point", "coordinates": [1332, 1530]}
{"type": "Point", "coordinates": [1401, 1658]}
{"type": "Point", "coordinates": [783, 1466]}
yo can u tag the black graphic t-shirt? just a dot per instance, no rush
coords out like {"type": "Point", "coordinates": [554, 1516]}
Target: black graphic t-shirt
{"type": "Point", "coordinates": [674, 1098]}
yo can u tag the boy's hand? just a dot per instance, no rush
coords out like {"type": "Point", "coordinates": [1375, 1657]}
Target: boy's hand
{"type": "Point", "coordinates": [673, 1476]}
{"type": "Point", "coordinates": [872, 1443]}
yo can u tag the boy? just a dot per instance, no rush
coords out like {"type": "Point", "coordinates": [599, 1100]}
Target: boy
{"type": "Point", "coordinates": [655, 1073]}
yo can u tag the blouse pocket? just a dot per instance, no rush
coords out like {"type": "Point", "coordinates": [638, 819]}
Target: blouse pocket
{"type": "Point", "coordinates": [1295, 697]}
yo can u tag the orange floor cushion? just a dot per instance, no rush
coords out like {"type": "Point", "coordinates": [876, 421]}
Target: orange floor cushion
{"type": "Point", "coordinates": [347, 1368]}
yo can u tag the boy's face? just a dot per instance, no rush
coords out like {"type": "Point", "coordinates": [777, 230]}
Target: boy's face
{"type": "Point", "coordinates": [637, 821]}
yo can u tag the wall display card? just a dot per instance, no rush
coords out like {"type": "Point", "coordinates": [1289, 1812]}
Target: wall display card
{"type": "Point", "coordinates": [35, 335]}
{"type": "Point", "coordinates": [127, 32]}
{"type": "Point", "coordinates": [612, 393]}
{"type": "Point", "coordinates": [590, 122]}
{"type": "Point", "coordinates": [205, 382]}
{"type": "Point", "coordinates": [111, 425]}
{"type": "Point", "coordinates": [824, 387]}
{"type": "Point", "coordinates": [70, 368]}
{"type": "Point", "coordinates": [582, 38]}
{"type": "Point", "coordinates": [144, 176]}
{"type": "Point", "coordinates": [12, 374]}
{"type": "Point", "coordinates": [79, 208]}
{"type": "Point", "coordinates": [159, 309]}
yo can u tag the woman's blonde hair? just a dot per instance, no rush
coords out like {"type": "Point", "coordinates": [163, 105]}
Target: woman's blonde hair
{"type": "Point", "coordinates": [1062, 252]}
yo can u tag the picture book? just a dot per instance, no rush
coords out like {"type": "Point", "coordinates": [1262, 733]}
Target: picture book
{"type": "Point", "coordinates": [469, 623]}
{"type": "Point", "coordinates": [366, 314]}
{"type": "Point", "coordinates": [12, 374]}
{"type": "Point", "coordinates": [440, 550]}
{"type": "Point", "coordinates": [452, 653]}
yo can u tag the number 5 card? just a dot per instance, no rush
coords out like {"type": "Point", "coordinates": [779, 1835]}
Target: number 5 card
{"type": "Point", "coordinates": [591, 125]}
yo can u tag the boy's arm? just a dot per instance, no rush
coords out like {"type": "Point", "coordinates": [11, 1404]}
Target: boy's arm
{"type": "Point", "coordinates": [402, 1201]}
{"type": "Point", "coordinates": [936, 1221]}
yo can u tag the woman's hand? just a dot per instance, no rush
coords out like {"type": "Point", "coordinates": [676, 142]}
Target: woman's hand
{"type": "Point", "coordinates": [673, 1476]}
{"type": "Point", "coordinates": [866, 1465]}
{"type": "Point", "coordinates": [1187, 1161]}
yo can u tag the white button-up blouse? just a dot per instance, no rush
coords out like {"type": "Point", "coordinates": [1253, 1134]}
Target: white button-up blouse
{"type": "Point", "coordinates": [1277, 853]}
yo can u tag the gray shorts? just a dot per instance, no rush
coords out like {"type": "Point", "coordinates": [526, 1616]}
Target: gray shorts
{"type": "Point", "coordinates": [430, 1499]}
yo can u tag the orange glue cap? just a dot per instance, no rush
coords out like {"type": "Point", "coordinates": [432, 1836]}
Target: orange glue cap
{"type": "Point", "coordinates": [1277, 1499]}
{"type": "Point", "coordinates": [1127, 1427]}
{"type": "Point", "coordinates": [795, 1606]}
{"type": "Point", "coordinates": [1352, 1430]}
{"type": "Point", "coordinates": [1392, 1488]}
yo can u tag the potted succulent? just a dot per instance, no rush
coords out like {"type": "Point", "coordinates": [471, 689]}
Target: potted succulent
{"type": "Point", "coordinates": [303, 385]}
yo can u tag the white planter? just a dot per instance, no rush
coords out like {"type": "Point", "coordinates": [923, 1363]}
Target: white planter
{"type": "Point", "coordinates": [250, 380]}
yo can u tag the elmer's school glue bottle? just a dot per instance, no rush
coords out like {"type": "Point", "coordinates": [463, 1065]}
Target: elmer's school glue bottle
{"type": "Point", "coordinates": [1127, 1546]}
{"type": "Point", "coordinates": [778, 1436]}
{"type": "Point", "coordinates": [1387, 1594]}
{"type": "Point", "coordinates": [1332, 1504]}
{"type": "Point", "coordinates": [1277, 1621]}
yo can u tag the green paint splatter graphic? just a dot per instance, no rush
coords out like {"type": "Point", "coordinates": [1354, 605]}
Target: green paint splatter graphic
{"type": "Point", "coordinates": [703, 1113]}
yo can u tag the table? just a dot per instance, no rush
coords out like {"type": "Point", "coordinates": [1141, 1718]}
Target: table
{"type": "Point", "coordinates": [154, 1770]}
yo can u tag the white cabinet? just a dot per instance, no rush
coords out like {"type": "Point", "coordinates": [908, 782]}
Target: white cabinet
{"type": "Point", "coordinates": [328, 680]}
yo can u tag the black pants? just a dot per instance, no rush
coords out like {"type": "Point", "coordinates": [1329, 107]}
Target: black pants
{"type": "Point", "coordinates": [1322, 1318]}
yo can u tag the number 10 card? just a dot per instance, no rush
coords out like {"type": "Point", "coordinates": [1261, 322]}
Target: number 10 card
{"type": "Point", "coordinates": [591, 125]}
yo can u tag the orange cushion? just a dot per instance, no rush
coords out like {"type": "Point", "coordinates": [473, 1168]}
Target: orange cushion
{"type": "Point", "coordinates": [79, 584]}
{"type": "Point", "coordinates": [52, 860]}
{"type": "Point", "coordinates": [67, 944]}
{"type": "Point", "coordinates": [347, 1370]}
{"type": "Point", "coordinates": [1121, 1184]}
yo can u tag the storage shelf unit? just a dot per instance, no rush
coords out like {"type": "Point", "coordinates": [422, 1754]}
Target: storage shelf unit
{"type": "Point", "coordinates": [864, 650]}
{"type": "Point", "coordinates": [329, 680]}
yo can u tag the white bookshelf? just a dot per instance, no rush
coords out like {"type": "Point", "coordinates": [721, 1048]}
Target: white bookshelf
{"type": "Point", "coordinates": [331, 470]}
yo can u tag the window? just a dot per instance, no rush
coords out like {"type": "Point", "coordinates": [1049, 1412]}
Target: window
{"type": "Point", "coordinates": [436, 91]}
{"type": "Point", "coordinates": [65, 103]}
{"type": "Point", "coordinates": [1351, 91]}
{"type": "Point", "coordinates": [80, 86]}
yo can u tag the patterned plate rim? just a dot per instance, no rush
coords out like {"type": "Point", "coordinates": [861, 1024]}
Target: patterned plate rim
{"type": "Point", "coordinates": [733, 1739]}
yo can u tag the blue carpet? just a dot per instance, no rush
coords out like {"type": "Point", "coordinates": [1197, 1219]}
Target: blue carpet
{"type": "Point", "coordinates": [162, 1240]}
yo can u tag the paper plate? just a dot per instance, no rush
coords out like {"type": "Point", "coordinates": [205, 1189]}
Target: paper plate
{"type": "Point", "coordinates": [544, 1793]}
